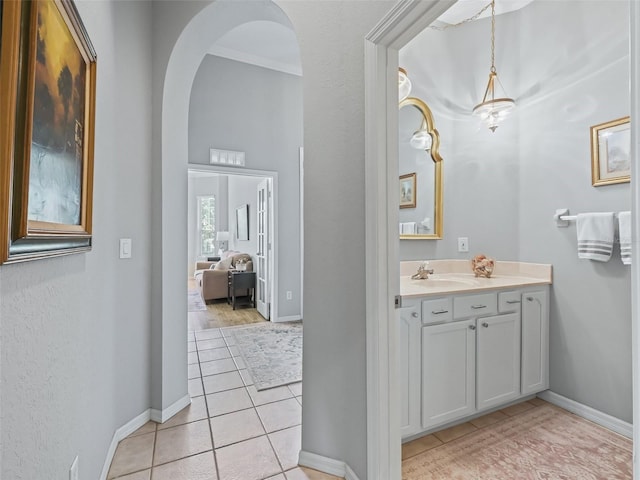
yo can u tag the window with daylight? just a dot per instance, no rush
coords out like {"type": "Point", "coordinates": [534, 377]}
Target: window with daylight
{"type": "Point", "coordinates": [207, 224]}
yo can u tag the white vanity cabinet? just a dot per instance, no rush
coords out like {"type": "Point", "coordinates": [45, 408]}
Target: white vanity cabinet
{"type": "Point", "coordinates": [409, 352]}
{"type": "Point", "coordinates": [498, 360]}
{"type": "Point", "coordinates": [535, 341]}
{"type": "Point", "coordinates": [464, 353]}
{"type": "Point", "coordinates": [448, 378]}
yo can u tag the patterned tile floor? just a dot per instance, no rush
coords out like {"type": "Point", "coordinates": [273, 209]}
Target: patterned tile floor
{"type": "Point", "coordinates": [229, 432]}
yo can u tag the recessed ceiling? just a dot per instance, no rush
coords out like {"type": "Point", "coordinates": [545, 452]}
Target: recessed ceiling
{"type": "Point", "coordinates": [465, 9]}
{"type": "Point", "coordinates": [262, 43]}
{"type": "Point", "coordinates": [274, 46]}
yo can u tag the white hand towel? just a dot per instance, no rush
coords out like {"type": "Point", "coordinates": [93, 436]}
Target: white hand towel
{"type": "Point", "coordinates": [409, 228]}
{"type": "Point", "coordinates": [624, 225]}
{"type": "Point", "coordinates": [595, 236]}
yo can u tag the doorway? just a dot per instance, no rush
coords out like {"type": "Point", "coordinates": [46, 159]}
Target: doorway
{"type": "Point", "coordinates": [382, 60]}
{"type": "Point", "coordinates": [255, 193]}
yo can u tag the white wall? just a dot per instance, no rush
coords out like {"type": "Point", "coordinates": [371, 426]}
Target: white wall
{"type": "Point", "coordinates": [75, 330]}
{"type": "Point", "coordinates": [243, 191]}
{"type": "Point", "coordinates": [502, 189]}
{"type": "Point", "coordinates": [242, 107]}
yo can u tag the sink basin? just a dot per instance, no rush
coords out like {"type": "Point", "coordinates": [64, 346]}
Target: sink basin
{"type": "Point", "coordinates": [446, 281]}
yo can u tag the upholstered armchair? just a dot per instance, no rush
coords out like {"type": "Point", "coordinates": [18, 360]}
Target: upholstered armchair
{"type": "Point", "coordinates": [213, 282]}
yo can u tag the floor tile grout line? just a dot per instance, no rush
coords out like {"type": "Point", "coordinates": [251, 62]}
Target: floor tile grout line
{"type": "Point", "coordinates": [213, 445]}
{"type": "Point", "coordinates": [153, 455]}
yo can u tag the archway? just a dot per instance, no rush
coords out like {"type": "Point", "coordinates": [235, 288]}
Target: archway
{"type": "Point", "coordinates": [168, 336]}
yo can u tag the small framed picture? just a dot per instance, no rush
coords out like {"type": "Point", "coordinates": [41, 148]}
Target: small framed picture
{"type": "Point", "coordinates": [408, 190]}
{"type": "Point", "coordinates": [611, 152]}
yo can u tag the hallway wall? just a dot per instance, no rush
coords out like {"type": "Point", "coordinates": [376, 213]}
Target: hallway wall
{"type": "Point", "coordinates": [74, 331]}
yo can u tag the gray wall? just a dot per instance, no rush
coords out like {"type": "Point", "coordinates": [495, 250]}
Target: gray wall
{"type": "Point", "coordinates": [502, 189]}
{"type": "Point", "coordinates": [334, 411]}
{"type": "Point", "coordinates": [75, 330]}
{"type": "Point", "coordinates": [236, 106]}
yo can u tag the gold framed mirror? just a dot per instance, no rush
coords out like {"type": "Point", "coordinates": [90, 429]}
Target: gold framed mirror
{"type": "Point", "coordinates": [419, 160]}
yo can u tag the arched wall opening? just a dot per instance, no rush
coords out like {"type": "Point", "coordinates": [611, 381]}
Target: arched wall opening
{"type": "Point", "coordinates": [169, 348]}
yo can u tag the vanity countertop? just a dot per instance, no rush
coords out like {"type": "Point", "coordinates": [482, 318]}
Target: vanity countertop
{"type": "Point", "coordinates": [455, 276]}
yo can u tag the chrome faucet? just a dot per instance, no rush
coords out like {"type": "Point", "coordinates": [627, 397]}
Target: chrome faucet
{"type": "Point", "coordinates": [423, 272]}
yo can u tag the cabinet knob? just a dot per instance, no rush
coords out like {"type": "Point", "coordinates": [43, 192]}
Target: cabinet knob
{"type": "Point", "coordinates": [472, 327]}
{"type": "Point", "coordinates": [414, 314]}
{"type": "Point", "coordinates": [485, 324]}
{"type": "Point", "coordinates": [529, 299]}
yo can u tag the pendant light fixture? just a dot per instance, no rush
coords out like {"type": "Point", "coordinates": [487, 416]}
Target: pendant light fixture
{"type": "Point", "coordinates": [493, 110]}
{"type": "Point", "coordinates": [404, 84]}
{"type": "Point", "coordinates": [421, 140]}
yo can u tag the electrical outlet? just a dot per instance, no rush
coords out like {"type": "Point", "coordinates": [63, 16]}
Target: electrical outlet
{"type": "Point", "coordinates": [289, 295]}
{"type": "Point", "coordinates": [73, 471]}
{"type": "Point", "coordinates": [463, 244]}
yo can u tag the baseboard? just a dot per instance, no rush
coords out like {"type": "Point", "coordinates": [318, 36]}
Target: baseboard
{"type": "Point", "coordinates": [326, 465]}
{"type": "Point", "coordinates": [349, 474]}
{"type": "Point", "coordinates": [123, 432]}
{"type": "Point", "coordinates": [596, 416]}
{"type": "Point", "coordinates": [161, 416]}
{"type": "Point", "coordinates": [290, 318]}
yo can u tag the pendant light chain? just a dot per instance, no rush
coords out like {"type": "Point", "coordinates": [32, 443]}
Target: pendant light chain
{"type": "Point", "coordinates": [462, 22]}
{"type": "Point", "coordinates": [493, 110]}
{"type": "Point", "coordinates": [493, 36]}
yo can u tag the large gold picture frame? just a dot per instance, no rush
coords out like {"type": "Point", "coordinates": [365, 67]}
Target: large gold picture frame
{"type": "Point", "coordinates": [47, 111]}
{"type": "Point", "coordinates": [611, 152]}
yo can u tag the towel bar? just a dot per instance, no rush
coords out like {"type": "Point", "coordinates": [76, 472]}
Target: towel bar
{"type": "Point", "coordinates": [563, 218]}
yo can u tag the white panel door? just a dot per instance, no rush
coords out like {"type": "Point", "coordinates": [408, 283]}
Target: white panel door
{"type": "Point", "coordinates": [535, 342]}
{"type": "Point", "coordinates": [448, 372]}
{"type": "Point", "coordinates": [263, 284]}
{"type": "Point", "coordinates": [498, 360]}
{"type": "Point", "coordinates": [409, 326]}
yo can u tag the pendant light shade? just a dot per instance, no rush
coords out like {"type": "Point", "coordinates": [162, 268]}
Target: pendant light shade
{"type": "Point", "coordinates": [404, 84]}
{"type": "Point", "coordinates": [493, 110]}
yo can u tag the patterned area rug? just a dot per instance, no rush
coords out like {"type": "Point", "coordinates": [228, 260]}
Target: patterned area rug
{"type": "Point", "coordinates": [543, 443]}
{"type": "Point", "coordinates": [194, 302]}
{"type": "Point", "coordinates": [272, 352]}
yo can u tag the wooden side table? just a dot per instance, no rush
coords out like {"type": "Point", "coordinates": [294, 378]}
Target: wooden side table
{"type": "Point", "coordinates": [241, 284]}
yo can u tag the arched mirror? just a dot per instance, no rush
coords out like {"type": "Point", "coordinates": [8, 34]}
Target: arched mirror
{"type": "Point", "coordinates": [420, 166]}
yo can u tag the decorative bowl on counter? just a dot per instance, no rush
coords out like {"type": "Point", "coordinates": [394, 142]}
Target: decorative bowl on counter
{"type": "Point", "coordinates": [482, 266]}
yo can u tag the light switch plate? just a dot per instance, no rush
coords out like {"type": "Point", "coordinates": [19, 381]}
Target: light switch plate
{"type": "Point", "coordinates": [125, 248]}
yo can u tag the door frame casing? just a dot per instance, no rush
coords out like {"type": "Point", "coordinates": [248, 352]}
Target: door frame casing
{"type": "Point", "coordinates": [273, 221]}
{"type": "Point", "coordinates": [382, 44]}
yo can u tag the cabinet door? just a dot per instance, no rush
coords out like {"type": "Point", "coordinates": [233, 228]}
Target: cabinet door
{"type": "Point", "coordinates": [448, 372]}
{"type": "Point", "coordinates": [409, 368]}
{"type": "Point", "coordinates": [498, 357]}
{"type": "Point", "coordinates": [535, 341]}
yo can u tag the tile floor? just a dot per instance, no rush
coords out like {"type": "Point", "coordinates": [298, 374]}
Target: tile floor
{"type": "Point", "coordinates": [229, 432]}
